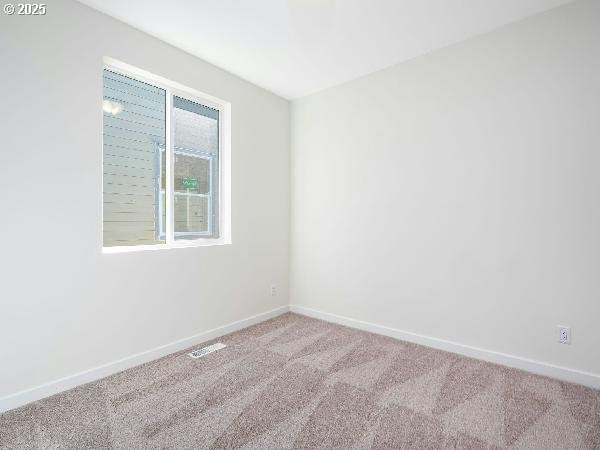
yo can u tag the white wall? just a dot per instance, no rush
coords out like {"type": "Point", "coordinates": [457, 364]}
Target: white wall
{"type": "Point", "coordinates": [458, 195]}
{"type": "Point", "coordinates": [64, 306]}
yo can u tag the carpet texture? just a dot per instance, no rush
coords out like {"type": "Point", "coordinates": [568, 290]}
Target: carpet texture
{"type": "Point", "coordinates": [299, 383]}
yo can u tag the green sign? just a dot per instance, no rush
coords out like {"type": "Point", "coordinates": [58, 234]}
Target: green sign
{"type": "Point", "coordinates": [189, 183]}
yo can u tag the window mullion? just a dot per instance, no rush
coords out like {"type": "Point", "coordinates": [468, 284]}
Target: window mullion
{"type": "Point", "coordinates": [170, 179]}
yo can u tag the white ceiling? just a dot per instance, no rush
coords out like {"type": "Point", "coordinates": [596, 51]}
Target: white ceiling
{"type": "Point", "coordinates": [296, 47]}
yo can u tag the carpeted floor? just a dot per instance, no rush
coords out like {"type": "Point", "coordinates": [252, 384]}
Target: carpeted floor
{"type": "Point", "coordinates": [296, 382]}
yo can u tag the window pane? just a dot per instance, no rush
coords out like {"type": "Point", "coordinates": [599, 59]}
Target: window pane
{"type": "Point", "coordinates": [195, 171]}
{"type": "Point", "coordinates": [134, 132]}
{"type": "Point", "coordinates": [191, 214]}
{"type": "Point", "coordinates": [192, 174]}
{"type": "Point", "coordinates": [196, 126]}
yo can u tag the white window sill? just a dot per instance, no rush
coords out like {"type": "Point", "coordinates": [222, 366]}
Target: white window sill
{"type": "Point", "coordinates": [180, 244]}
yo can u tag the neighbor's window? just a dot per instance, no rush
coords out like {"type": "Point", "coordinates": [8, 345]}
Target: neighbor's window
{"type": "Point", "coordinates": [161, 164]}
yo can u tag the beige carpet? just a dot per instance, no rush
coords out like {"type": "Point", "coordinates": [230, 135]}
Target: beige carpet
{"type": "Point", "coordinates": [295, 382]}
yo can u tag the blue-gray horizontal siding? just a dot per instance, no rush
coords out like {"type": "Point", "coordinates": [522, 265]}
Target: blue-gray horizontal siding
{"type": "Point", "coordinates": [130, 141]}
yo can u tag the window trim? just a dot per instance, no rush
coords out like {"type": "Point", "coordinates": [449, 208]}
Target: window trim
{"type": "Point", "coordinates": [224, 193]}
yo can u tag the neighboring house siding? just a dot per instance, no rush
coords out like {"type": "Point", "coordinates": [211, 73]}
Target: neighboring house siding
{"type": "Point", "coordinates": [131, 139]}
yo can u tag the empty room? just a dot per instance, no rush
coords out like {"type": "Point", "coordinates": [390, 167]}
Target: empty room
{"type": "Point", "coordinates": [300, 224]}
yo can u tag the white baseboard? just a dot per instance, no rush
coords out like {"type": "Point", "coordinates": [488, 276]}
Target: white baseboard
{"type": "Point", "coordinates": [54, 387]}
{"type": "Point", "coordinates": [529, 365]}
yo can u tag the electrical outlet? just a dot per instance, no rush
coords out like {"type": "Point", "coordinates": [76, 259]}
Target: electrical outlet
{"type": "Point", "coordinates": [564, 334]}
{"type": "Point", "coordinates": [273, 290]}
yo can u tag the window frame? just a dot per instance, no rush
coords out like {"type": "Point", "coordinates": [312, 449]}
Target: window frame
{"type": "Point", "coordinates": [224, 172]}
{"type": "Point", "coordinates": [161, 231]}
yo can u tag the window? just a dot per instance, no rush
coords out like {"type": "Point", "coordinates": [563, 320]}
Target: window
{"type": "Point", "coordinates": [163, 180]}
